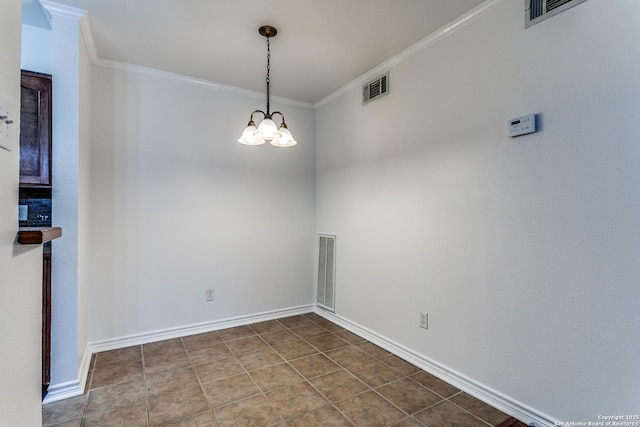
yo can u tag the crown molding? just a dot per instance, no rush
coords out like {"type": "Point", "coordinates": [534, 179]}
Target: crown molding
{"type": "Point", "coordinates": [411, 51]}
{"type": "Point", "coordinates": [153, 72]}
{"type": "Point", "coordinates": [87, 36]}
{"type": "Point", "coordinates": [81, 15]}
{"type": "Point", "coordinates": [57, 9]}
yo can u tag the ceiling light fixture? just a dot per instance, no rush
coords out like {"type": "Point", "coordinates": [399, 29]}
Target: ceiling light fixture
{"type": "Point", "coordinates": [267, 130]}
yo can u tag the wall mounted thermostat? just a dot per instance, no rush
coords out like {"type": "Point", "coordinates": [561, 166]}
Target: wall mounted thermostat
{"type": "Point", "coordinates": [521, 125]}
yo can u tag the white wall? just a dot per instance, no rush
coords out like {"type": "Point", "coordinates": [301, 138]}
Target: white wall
{"type": "Point", "coordinates": [20, 266]}
{"type": "Point", "coordinates": [36, 53]}
{"type": "Point", "coordinates": [71, 78]}
{"type": "Point", "coordinates": [523, 251]}
{"type": "Point", "coordinates": [178, 206]}
{"type": "Point", "coordinates": [84, 200]}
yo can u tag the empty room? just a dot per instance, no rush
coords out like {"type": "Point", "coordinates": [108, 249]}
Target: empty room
{"type": "Point", "coordinates": [445, 231]}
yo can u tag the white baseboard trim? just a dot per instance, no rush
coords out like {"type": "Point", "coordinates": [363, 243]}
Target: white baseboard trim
{"type": "Point", "coordinates": [72, 388]}
{"type": "Point", "coordinates": [63, 391]}
{"type": "Point", "coordinates": [486, 394]}
{"type": "Point", "coordinates": [182, 331]}
{"type": "Point", "coordinates": [76, 388]}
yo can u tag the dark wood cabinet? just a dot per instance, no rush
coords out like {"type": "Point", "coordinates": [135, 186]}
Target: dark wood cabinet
{"type": "Point", "coordinates": [35, 130]}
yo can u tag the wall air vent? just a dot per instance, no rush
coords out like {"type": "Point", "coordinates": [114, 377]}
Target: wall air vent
{"type": "Point", "coordinates": [326, 292]}
{"type": "Point", "coordinates": [539, 10]}
{"type": "Point", "coordinates": [375, 89]}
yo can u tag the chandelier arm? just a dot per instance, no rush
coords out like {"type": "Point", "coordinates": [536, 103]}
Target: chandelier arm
{"type": "Point", "coordinates": [257, 111]}
{"type": "Point", "coordinates": [278, 112]}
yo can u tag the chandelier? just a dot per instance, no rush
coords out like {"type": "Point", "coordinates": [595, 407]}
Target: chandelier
{"type": "Point", "coordinates": [267, 130]}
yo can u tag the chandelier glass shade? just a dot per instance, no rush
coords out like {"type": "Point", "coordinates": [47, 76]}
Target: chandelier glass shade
{"type": "Point", "coordinates": [267, 130]}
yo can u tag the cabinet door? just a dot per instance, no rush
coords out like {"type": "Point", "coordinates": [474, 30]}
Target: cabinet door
{"type": "Point", "coordinates": [35, 130]}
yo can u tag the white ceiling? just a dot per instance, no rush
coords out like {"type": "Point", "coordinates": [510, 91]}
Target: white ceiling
{"type": "Point", "coordinates": [321, 45]}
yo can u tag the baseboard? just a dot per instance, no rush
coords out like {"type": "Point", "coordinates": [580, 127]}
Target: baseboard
{"type": "Point", "coordinates": [76, 388]}
{"type": "Point", "coordinates": [63, 391]}
{"type": "Point", "coordinates": [182, 331]}
{"type": "Point", "coordinates": [486, 394]}
{"type": "Point", "coordinates": [504, 403]}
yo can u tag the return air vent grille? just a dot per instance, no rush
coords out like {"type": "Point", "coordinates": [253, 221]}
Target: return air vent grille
{"type": "Point", "coordinates": [326, 292]}
{"type": "Point", "coordinates": [375, 88]}
{"type": "Point", "coordinates": [539, 10]}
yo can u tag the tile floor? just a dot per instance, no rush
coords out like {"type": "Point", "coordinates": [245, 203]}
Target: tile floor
{"type": "Point", "coordinates": [295, 371]}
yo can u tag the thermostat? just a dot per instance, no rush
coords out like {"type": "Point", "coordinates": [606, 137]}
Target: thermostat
{"type": "Point", "coordinates": [521, 125]}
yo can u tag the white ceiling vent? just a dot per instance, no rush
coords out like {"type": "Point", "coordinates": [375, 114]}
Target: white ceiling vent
{"type": "Point", "coordinates": [375, 89]}
{"type": "Point", "coordinates": [539, 10]}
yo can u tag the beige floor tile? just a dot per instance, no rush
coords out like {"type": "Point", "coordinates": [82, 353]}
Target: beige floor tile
{"type": "Point", "coordinates": [309, 331]}
{"type": "Point", "coordinates": [170, 381]}
{"type": "Point", "coordinates": [404, 367]}
{"type": "Point", "coordinates": [219, 369]}
{"type": "Point", "coordinates": [370, 410]}
{"type": "Point", "coordinates": [162, 347]}
{"type": "Point", "coordinates": [72, 423]}
{"type": "Point", "coordinates": [375, 373]}
{"type": "Point", "coordinates": [280, 337]}
{"type": "Point", "coordinates": [295, 350]}
{"type": "Point", "coordinates": [165, 362]}
{"type": "Point", "coordinates": [133, 415]}
{"type": "Point", "coordinates": [117, 357]}
{"type": "Point", "coordinates": [330, 326]}
{"type": "Point", "coordinates": [327, 416]}
{"type": "Point", "coordinates": [115, 396]}
{"type": "Point", "coordinates": [349, 356]}
{"type": "Point", "coordinates": [408, 422]}
{"type": "Point", "coordinates": [176, 405]}
{"type": "Point", "coordinates": [236, 333]}
{"type": "Point", "coordinates": [63, 410]}
{"type": "Point", "coordinates": [372, 349]}
{"type": "Point", "coordinates": [197, 341]}
{"type": "Point", "coordinates": [252, 412]}
{"type": "Point", "coordinates": [434, 384]}
{"type": "Point", "coordinates": [296, 399]}
{"type": "Point", "coordinates": [479, 408]}
{"type": "Point", "coordinates": [296, 321]}
{"type": "Point", "coordinates": [339, 385]}
{"type": "Point", "coordinates": [327, 342]}
{"type": "Point", "coordinates": [205, 419]}
{"type": "Point", "coordinates": [314, 317]}
{"type": "Point", "coordinates": [314, 366]}
{"type": "Point", "coordinates": [246, 345]}
{"type": "Point", "coordinates": [408, 395]}
{"type": "Point", "coordinates": [230, 389]}
{"type": "Point", "coordinates": [204, 355]}
{"type": "Point", "coordinates": [446, 414]}
{"type": "Point", "coordinates": [349, 337]}
{"type": "Point", "coordinates": [268, 326]}
{"type": "Point", "coordinates": [130, 370]}
{"type": "Point", "coordinates": [260, 359]}
{"type": "Point", "coordinates": [275, 376]}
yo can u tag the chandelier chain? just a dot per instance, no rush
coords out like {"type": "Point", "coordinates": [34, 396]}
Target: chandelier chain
{"type": "Point", "coordinates": [268, 71]}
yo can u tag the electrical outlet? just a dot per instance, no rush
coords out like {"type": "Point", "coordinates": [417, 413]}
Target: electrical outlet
{"type": "Point", "coordinates": [424, 320]}
{"type": "Point", "coordinates": [209, 294]}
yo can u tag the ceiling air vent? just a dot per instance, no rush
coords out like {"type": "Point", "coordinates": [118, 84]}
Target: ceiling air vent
{"type": "Point", "coordinates": [375, 88]}
{"type": "Point", "coordinates": [539, 10]}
